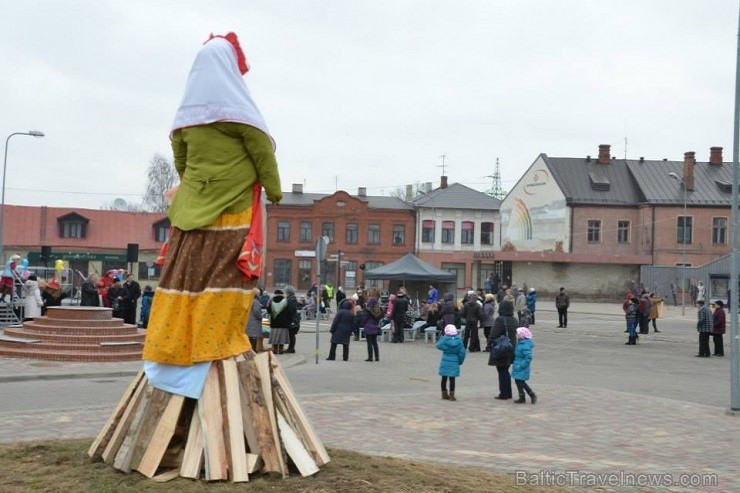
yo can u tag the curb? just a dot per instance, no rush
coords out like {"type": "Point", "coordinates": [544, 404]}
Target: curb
{"type": "Point", "coordinates": [287, 363]}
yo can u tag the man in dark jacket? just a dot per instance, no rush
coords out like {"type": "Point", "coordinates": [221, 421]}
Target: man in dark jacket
{"type": "Point", "coordinates": [562, 302]}
{"type": "Point", "coordinates": [89, 291]}
{"type": "Point", "coordinates": [131, 295]}
{"type": "Point", "coordinates": [400, 307]}
{"type": "Point", "coordinates": [295, 324]}
{"type": "Point", "coordinates": [471, 314]}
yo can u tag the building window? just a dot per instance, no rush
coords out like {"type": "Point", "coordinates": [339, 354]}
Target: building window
{"type": "Point", "coordinates": [684, 230]}
{"type": "Point", "coordinates": [283, 232]}
{"type": "Point", "coordinates": [327, 229]}
{"type": "Point", "coordinates": [458, 270]}
{"type": "Point", "coordinates": [305, 232]}
{"type": "Point", "coordinates": [467, 233]}
{"type": "Point", "coordinates": [399, 234]}
{"type": "Point", "coordinates": [486, 233]}
{"type": "Point", "coordinates": [373, 234]}
{"type": "Point", "coordinates": [350, 236]}
{"type": "Point", "coordinates": [160, 233]}
{"type": "Point", "coordinates": [427, 231]}
{"type": "Point", "coordinates": [281, 272]}
{"type": "Point", "coordinates": [149, 272]}
{"type": "Point", "coordinates": [594, 231]}
{"type": "Point", "coordinates": [623, 231]}
{"type": "Point", "coordinates": [72, 229]}
{"type": "Point", "coordinates": [448, 231]}
{"type": "Point", "coordinates": [719, 230]}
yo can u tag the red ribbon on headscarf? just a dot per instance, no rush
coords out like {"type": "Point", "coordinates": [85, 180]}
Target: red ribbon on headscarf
{"type": "Point", "coordinates": [241, 60]}
{"type": "Point", "coordinates": [251, 257]}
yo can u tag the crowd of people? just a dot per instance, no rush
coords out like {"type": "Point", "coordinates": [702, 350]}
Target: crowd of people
{"type": "Point", "coordinates": [507, 313]}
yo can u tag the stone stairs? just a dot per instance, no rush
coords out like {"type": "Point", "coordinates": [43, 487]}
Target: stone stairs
{"type": "Point", "coordinates": [74, 333]}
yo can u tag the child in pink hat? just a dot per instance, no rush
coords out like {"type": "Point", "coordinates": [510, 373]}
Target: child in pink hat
{"type": "Point", "coordinates": [522, 363]}
{"type": "Point", "coordinates": [453, 355]}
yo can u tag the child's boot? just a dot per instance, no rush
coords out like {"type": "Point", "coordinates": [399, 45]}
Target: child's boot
{"type": "Point", "coordinates": [445, 395]}
{"type": "Point", "coordinates": [452, 396]}
{"type": "Point", "coordinates": [520, 400]}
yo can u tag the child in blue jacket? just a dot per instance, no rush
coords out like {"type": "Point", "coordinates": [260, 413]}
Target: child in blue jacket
{"type": "Point", "coordinates": [453, 355]}
{"type": "Point", "coordinates": [522, 362]}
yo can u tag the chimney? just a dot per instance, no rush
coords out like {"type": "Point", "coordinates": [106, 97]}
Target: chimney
{"type": "Point", "coordinates": [689, 161]}
{"type": "Point", "coordinates": [604, 156]}
{"type": "Point", "coordinates": [409, 193]}
{"type": "Point", "coordinates": [443, 184]}
{"type": "Point", "coordinates": [362, 192]}
{"type": "Point", "coordinates": [715, 155]}
{"type": "Point", "coordinates": [297, 187]}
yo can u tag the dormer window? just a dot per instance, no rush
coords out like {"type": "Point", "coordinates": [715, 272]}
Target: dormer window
{"type": "Point", "coordinates": [161, 230]}
{"type": "Point", "coordinates": [72, 225]}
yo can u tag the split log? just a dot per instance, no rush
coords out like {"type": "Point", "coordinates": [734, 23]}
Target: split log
{"type": "Point", "coordinates": [123, 425]}
{"type": "Point", "coordinates": [258, 409]}
{"type": "Point", "coordinates": [234, 431]}
{"type": "Point", "coordinates": [161, 436]}
{"type": "Point", "coordinates": [192, 460]}
{"type": "Point", "coordinates": [301, 425]}
{"type": "Point", "coordinates": [211, 422]}
{"type": "Point", "coordinates": [101, 441]}
{"type": "Point", "coordinates": [295, 449]}
{"type": "Point", "coordinates": [122, 459]}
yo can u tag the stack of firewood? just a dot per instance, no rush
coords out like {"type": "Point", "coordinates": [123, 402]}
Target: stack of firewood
{"type": "Point", "coordinates": [246, 421]}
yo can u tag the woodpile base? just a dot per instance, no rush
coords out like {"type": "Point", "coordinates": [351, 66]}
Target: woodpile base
{"type": "Point", "coordinates": [247, 421]}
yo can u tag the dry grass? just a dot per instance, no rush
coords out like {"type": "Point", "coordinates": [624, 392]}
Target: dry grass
{"type": "Point", "coordinates": [63, 466]}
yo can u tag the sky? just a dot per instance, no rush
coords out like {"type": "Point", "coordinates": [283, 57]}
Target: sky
{"type": "Point", "coordinates": [364, 93]}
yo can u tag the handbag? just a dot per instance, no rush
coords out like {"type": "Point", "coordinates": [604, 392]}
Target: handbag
{"type": "Point", "coordinates": [501, 347]}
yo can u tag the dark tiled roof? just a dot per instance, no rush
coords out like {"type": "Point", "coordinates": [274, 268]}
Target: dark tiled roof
{"type": "Point", "coordinates": [712, 183]}
{"type": "Point", "coordinates": [457, 196]}
{"type": "Point", "coordinates": [588, 182]}
{"type": "Point", "coordinates": [373, 201]}
{"type": "Point", "coordinates": [631, 182]}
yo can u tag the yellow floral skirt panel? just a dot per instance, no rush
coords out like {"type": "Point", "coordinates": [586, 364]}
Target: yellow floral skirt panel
{"type": "Point", "coordinates": [200, 308]}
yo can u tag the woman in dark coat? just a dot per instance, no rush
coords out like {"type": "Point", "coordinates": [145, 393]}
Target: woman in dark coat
{"type": "Point", "coordinates": [447, 312]}
{"type": "Point", "coordinates": [369, 320]}
{"type": "Point", "coordinates": [342, 328]}
{"type": "Point", "coordinates": [505, 323]}
{"type": "Point", "coordinates": [718, 328]}
{"type": "Point", "coordinates": [116, 294]}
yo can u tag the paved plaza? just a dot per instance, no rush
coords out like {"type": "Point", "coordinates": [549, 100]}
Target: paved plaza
{"type": "Point", "coordinates": [603, 407]}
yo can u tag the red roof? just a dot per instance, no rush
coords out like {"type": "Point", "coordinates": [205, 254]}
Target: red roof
{"type": "Point", "coordinates": [30, 226]}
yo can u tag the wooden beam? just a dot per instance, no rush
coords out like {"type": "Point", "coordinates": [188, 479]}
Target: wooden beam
{"type": "Point", "coordinates": [232, 398]}
{"type": "Point", "coordinates": [295, 449]}
{"type": "Point", "coordinates": [212, 422]}
{"type": "Point", "coordinates": [113, 442]}
{"type": "Point", "coordinates": [122, 458]}
{"type": "Point", "coordinates": [266, 448]}
{"type": "Point", "coordinates": [192, 460]}
{"type": "Point", "coordinates": [161, 437]}
{"type": "Point", "coordinates": [305, 430]}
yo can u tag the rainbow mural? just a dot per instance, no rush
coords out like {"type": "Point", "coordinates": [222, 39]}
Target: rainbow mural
{"type": "Point", "coordinates": [520, 223]}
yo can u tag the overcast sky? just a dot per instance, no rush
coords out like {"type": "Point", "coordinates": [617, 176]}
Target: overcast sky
{"type": "Point", "coordinates": [364, 93]}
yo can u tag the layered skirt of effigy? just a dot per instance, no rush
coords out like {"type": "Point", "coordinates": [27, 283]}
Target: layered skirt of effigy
{"type": "Point", "coordinates": [205, 405]}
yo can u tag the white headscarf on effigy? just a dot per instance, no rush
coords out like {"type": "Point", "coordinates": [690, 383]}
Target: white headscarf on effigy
{"type": "Point", "coordinates": [216, 91]}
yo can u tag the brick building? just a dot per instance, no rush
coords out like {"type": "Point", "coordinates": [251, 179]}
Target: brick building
{"type": "Point", "coordinates": [87, 240]}
{"type": "Point", "coordinates": [365, 232]}
{"type": "Point", "coordinates": [589, 224]}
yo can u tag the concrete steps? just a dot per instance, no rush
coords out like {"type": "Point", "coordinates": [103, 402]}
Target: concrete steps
{"type": "Point", "coordinates": [83, 334]}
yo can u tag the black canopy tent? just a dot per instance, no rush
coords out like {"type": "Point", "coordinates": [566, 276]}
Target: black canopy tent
{"type": "Point", "coordinates": [410, 268]}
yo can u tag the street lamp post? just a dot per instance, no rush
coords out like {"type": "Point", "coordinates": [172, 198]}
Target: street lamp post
{"type": "Point", "coordinates": [32, 133]}
{"type": "Point", "coordinates": [683, 238]}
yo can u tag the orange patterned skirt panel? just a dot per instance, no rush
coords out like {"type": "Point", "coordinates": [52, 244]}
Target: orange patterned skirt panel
{"type": "Point", "coordinates": [200, 308]}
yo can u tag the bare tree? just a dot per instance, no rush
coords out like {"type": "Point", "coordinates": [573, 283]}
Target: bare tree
{"type": "Point", "coordinates": [161, 176]}
{"type": "Point", "coordinates": [122, 205]}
